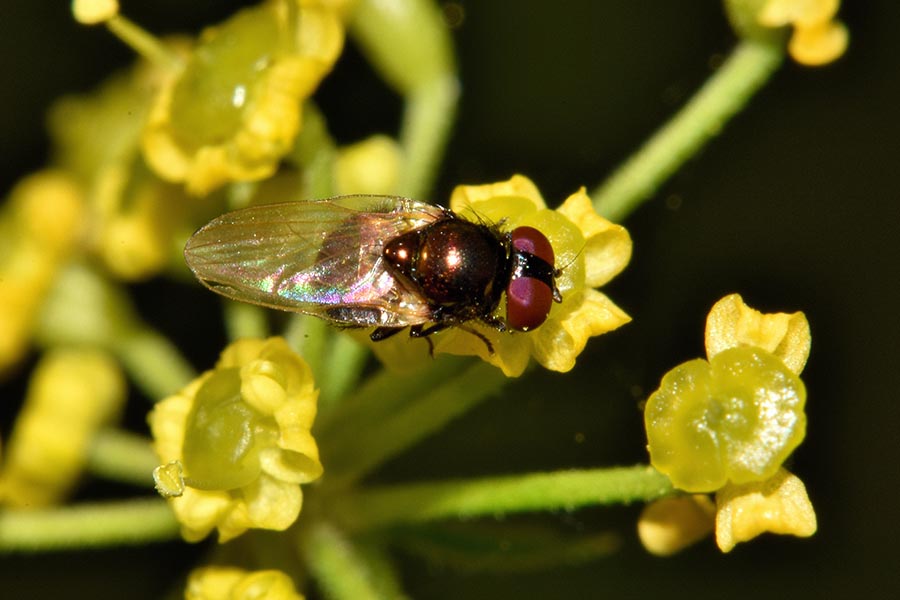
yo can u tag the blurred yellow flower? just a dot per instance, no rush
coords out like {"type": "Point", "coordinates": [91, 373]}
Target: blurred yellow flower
{"type": "Point", "coordinates": [231, 583]}
{"type": "Point", "coordinates": [671, 524]}
{"type": "Point", "coordinates": [135, 221]}
{"type": "Point", "coordinates": [727, 425]}
{"type": "Point", "coordinates": [817, 38]}
{"type": "Point", "coordinates": [40, 225]}
{"type": "Point", "coordinates": [72, 393]}
{"type": "Point", "coordinates": [234, 109]}
{"type": "Point", "coordinates": [371, 166]}
{"type": "Point", "coordinates": [241, 434]}
{"type": "Point", "coordinates": [91, 12]}
{"type": "Point", "coordinates": [589, 251]}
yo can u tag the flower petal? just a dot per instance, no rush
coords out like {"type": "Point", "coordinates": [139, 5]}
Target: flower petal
{"type": "Point", "coordinates": [607, 248]}
{"type": "Point", "coordinates": [778, 505]}
{"type": "Point", "coordinates": [518, 186]}
{"type": "Point", "coordinates": [558, 342]}
{"type": "Point", "coordinates": [731, 323]}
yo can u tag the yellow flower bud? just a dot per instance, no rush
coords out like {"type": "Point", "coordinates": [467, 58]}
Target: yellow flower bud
{"type": "Point", "coordinates": [669, 525]}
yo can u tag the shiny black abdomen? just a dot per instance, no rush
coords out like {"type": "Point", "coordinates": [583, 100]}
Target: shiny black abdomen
{"type": "Point", "coordinates": [460, 267]}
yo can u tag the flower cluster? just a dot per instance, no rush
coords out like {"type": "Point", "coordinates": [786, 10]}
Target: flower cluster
{"type": "Point", "coordinates": [727, 426]}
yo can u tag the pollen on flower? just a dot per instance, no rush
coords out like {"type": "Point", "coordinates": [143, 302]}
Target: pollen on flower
{"type": "Point", "coordinates": [241, 434]}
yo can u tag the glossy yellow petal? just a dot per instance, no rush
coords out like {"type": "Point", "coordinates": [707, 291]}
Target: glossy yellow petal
{"type": "Point", "coordinates": [607, 246]}
{"type": "Point", "coordinates": [669, 525]}
{"type": "Point", "coordinates": [559, 341]}
{"type": "Point", "coordinates": [776, 505]}
{"type": "Point", "coordinates": [731, 323]}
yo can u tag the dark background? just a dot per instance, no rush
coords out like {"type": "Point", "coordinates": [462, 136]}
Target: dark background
{"type": "Point", "coordinates": [794, 206]}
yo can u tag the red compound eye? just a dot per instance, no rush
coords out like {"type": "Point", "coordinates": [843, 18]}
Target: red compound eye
{"type": "Point", "coordinates": [529, 294]}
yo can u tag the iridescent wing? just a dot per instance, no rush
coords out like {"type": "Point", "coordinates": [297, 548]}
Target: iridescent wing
{"type": "Point", "coordinates": [321, 257]}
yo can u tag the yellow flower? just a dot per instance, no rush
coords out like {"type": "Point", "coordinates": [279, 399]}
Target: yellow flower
{"type": "Point", "coordinates": [671, 524]}
{"type": "Point", "coordinates": [777, 505]}
{"type": "Point", "coordinates": [234, 109]}
{"type": "Point", "coordinates": [589, 251]}
{"type": "Point", "coordinates": [231, 583]}
{"type": "Point", "coordinates": [817, 39]}
{"type": "Point", "coordinates": [71, 394]}
{"type": "Point", "coordinates": [727, 425]}
{"type": "Point", "coordinates": [241, 434]}
{"type": "Point", "coordinates": [39, 226]}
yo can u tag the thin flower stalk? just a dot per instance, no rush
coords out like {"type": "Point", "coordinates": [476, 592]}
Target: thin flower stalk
{"type": "Point", "coordinates": [746, 70]}
{"type": "Point", "coordinates": [491, 496]}
{"type": "Point", "coordinates": [95, 525]}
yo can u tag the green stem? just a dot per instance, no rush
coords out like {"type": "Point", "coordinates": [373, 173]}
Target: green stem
{"type": "Point", "coordinates": [492, 496]}
{"type": "Point", "coordinates": [144, 43]}
{"type": "Point", "coordinates": [344, 570]}
{"type": "Point", "coordinates": [88, 525]}
{"type": "Point", "coordinates": [346, 360]}
{"type": "Point", "coordinates": [315, 152]}
{"type": "Point", "coordinates": [408, 42]}
{"type": "Point", "coordinates": [308, 336]}
{"type": "Point", "coordinates": [427, 120]}
{"type": "Point", "coordinates": [155, 364]}
{"type": "Point", "coordinates": [122, 456]}
{"type": "Point", "coordinates": [750, 65]}
{"type": "Point", "coordinates": [244, 321]}
{"type": "Point", "coordinates": [352, 453]}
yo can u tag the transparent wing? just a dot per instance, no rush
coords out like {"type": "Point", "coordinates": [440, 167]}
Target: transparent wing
{"type": "Point", "coordinates": [322, 258]}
